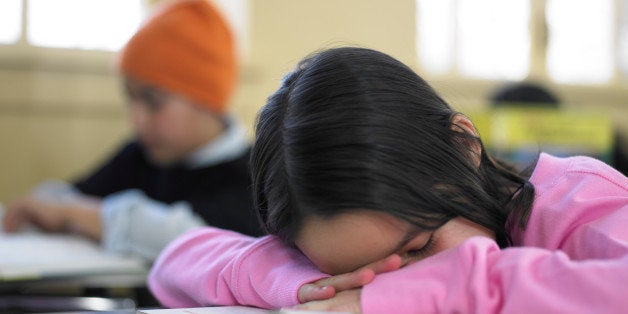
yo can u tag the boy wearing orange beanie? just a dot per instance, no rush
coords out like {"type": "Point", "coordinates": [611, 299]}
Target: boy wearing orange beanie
{"type": "Point", "coordinates": [188, 163]}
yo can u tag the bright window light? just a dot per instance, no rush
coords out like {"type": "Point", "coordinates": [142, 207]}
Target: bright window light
{"type": "Point", "coordinates": [236, 12]}
{"type": "Point", "coordinates": [493, 38]}
{"type": "Point", "coordinates": [83, 24]}
{"type": "Point", "coordinates": [10, 21]}
{"type": "Point", "coordinates": [435, 34]}
{"type": "Point", "coordinates": [580, 48]}
{"type": "Point", "coordinates": [623, 39]}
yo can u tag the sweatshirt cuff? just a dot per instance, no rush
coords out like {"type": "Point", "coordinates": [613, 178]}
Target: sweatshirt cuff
{"type": "Point", "coordinates": [281, 284]}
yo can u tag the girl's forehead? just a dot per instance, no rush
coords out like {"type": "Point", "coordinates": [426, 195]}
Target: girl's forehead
{"type": "Point", "coordinates": [350, 240]}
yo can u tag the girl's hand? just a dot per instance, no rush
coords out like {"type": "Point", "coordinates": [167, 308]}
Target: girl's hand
{"type": "Point", "coordinates": [327, 288]}
{"type": "Point", "coordinates": [344, 301]}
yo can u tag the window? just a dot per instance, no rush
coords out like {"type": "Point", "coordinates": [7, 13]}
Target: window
{"type": "Point", "coordinates": [622, 39]}
{"type": "Point", "coordinates": [236, 12]}
{"type": "Point", "coordinates": [565, 41]}
{"type": "Point", "coordinates": [477, 38]}
{"type": "Point", "coordinates": [94, 24]}
{"type": "Point", "coordinates": [83, 24]}
{"type": "Point", "coordinates": [435, 34]}
{"type": "Point", "coordinates": [11, 17]}
{"type": "Point", "coordinates": [493, 38]}
{"type": "Point", "coordinates": [580, 46]}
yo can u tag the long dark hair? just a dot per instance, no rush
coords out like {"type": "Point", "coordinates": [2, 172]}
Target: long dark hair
{"type": "Point", "coordinates": [353, 128]}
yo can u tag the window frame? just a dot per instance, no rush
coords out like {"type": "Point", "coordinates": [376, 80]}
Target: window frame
{"type": "Point", "coordinates": [537, 67]}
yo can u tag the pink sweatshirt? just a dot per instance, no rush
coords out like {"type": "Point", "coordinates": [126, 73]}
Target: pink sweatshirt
{"type": "Point", "coordinates": [572, 258]}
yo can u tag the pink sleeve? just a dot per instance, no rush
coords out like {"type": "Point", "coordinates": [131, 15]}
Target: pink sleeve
{"type": "Point", "coordinates": [580, 208]}
{"type": "Point", "coordinates": [211, 266]}
{"type": "Point", "coordinates": [478, 277]}
{"type": "Point", "coordinates": [573, 255]}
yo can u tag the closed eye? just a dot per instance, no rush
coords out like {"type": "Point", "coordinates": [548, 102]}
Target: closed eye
{"type": "Point", "coordinates": [423, 252]}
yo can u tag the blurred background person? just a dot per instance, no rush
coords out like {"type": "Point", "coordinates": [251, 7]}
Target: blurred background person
{"type": "Point", "coordinates": [523, 93]}
{"type": "Point", "coordinates": [534, 95]}
{"type": "Point", "coordinates": [187, 164]}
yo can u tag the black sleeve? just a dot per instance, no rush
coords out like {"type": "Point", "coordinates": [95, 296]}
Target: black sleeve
{"type": "Point", "coordinates": [230, 209]}
{"type": "Point", "coordinates": [226, 200]}
{"type": "Point", "coordinates": [115, 174]}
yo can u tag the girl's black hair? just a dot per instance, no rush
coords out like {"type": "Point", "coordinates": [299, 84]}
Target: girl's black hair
{"type": "Point", "coordinates": [353, 128]}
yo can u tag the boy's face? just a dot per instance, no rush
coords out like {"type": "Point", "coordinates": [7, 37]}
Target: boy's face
{"type": "Point", "coordinates": [169, 126]}
{"type": "Point", "coordinates": [351, 240]}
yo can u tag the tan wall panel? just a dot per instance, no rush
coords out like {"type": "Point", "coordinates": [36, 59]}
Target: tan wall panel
{"type": "Point", "coordinates": [36, 147]}
{"type": "Point", "coordinates": [284, 31]}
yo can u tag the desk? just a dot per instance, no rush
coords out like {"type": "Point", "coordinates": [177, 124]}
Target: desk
{"type": "Point", "coordinates": [231, 310]}
{"type": "Point", "coordinates": [50, 269]}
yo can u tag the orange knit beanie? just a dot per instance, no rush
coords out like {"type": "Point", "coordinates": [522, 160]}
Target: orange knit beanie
{"type": "Point", "coordinates": [185, 47]}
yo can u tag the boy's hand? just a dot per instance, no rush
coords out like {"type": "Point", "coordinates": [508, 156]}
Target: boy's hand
{"type": "Point", "coordinates": [47, 217]}
{"type": "Point", "coordinates": [327, 288]}
{"type": "Point", "coordinates": [82, 217]}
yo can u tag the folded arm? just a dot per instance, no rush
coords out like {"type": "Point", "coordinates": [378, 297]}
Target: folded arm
{"type": "Point", "coordinates": [477, 277]}
{"type": "Point", "coordinates": [211, 266]}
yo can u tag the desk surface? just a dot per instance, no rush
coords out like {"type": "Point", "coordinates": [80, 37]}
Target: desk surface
{"type": "Point", "coordinates": [47, 258]}
{"type": "Point", "coordinates": [230, 310]}
{"type": "Point", "coordinates": [84, 281]}
{"type": "Point", "coordinates": [60, 273]}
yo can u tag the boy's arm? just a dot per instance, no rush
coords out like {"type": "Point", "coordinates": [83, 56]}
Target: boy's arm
{"type": "Point", "coordinates": [211, 266]}
{"type": "Point", "coordinates": [132, 223]}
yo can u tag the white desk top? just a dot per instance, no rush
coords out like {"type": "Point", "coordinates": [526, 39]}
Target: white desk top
{"type": "Point", "coordinates": [35, 256]}
{"type": "Point", "coordinates": [230, 310]}
{"type": "Point", "coordinates": [31, 255]}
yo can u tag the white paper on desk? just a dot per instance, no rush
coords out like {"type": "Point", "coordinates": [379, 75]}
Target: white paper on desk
{"type": "Point", "coordinates": [231, 310]}
{"type": "Point", "coordinates": [209, 310]}
{"type": "Point", "coordinates": [35, 255]}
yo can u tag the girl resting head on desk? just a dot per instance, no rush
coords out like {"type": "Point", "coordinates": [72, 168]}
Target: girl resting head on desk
{"type": "Point", "coordinates": [380, 198]}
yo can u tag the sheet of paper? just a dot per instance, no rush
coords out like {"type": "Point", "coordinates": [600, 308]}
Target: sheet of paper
{"type": "Point", "coordinates": [230, 310]}
{"type": "Point", "coordinates": [33, 255]}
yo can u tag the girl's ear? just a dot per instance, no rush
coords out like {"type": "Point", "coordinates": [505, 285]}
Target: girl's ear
{"type": "Point", "coordinates": [460, 123]}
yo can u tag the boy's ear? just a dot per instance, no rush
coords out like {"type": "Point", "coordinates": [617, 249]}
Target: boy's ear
{"type": "Point", "coordinates": [460, 123]}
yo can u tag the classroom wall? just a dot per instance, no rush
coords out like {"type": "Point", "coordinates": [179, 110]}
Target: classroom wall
{"type": "Point", "coordinates": [282, 32]}
{"type": "Point", "coordinates": [61, 112]}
